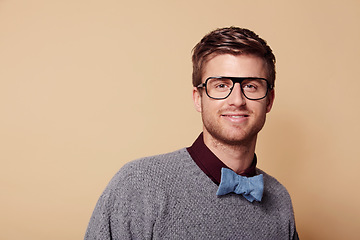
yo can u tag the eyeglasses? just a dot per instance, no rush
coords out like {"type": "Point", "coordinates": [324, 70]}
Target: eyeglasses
{"type": "Point", "coordinates": [219, 88]}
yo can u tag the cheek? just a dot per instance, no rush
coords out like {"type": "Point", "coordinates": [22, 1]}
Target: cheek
{"type": "Point", "coordinates": [210, 106]}
{"type": "Point", "coordinates": [258, 108]}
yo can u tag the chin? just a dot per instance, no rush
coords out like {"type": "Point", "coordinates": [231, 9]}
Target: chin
{"type": "Point", "coordinates": [232, 138]}
{"type": "Point", "coordinates": [235, 141]}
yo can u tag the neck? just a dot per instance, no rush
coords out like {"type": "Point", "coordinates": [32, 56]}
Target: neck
{"type": "Point", "coordinates": [237, 157]}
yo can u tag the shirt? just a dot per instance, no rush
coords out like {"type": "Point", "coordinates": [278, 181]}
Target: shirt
{"type": "Point", "coordinates": [210, 164]}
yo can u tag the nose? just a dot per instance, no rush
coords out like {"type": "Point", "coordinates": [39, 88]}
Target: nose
{"type": "Point", "coordinates": [236, 97]}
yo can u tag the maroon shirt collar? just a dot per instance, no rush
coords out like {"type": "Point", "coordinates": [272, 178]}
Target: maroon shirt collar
{"type": "Point", "coordinates": [210, 164]}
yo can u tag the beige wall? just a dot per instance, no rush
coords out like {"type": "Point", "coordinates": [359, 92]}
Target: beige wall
{"type": "Point", "coordinates": [86, 86]}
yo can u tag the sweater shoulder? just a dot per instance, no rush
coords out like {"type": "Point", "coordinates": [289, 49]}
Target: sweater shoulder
{"type": "Point", "coordinates": [175, 157]}
{"type": "Point", "coordinates": [149, 169]}
{"type": "Point", "coordinates": [275, 193]}
{"type": "Point", "coordinates": [272, 183]}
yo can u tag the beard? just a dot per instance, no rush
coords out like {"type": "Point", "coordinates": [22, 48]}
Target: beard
{"type": "Point", "coordinates": [231, 134]}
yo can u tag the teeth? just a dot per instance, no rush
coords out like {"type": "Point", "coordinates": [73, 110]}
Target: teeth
{"type": "Point", "coordinates": [236, 116]}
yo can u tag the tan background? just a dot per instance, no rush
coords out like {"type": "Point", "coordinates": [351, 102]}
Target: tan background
{"type": "Point", "coordinates": [86, 86]}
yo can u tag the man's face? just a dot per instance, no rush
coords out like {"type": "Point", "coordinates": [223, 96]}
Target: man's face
{"type": "Point", "coordinates": [234, 120]}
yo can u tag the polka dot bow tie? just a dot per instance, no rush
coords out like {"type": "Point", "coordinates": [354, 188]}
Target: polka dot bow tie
{"type": "Point", "coordinates": [251, 188]}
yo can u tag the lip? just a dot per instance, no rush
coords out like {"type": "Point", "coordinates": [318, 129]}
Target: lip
{"type": "Point", "coordinates": [235, 117]}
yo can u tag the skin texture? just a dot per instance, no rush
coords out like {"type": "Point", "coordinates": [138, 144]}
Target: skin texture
{"type": "Point", "coordinates": [231, 125]}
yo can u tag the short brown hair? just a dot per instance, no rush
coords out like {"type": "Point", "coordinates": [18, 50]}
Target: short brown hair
{"type": "Point", "coordinates": [235, 41]}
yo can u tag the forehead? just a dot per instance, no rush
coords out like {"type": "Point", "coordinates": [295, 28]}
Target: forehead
{"type": "Point", "coordinates": [244, 65]}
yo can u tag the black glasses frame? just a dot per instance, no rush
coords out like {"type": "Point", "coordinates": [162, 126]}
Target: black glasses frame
{"type": "Point", "coordinates": [235, 80]}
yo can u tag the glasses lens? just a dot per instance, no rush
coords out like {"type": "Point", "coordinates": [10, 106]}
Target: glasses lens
{"type": "Point", "coordinates": [219, 87]}
{"type": "Point", "coordinates": [254, 88]}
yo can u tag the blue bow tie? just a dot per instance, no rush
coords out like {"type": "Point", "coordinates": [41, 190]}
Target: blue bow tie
{"type": "Point", "coordinates": [251, 188]}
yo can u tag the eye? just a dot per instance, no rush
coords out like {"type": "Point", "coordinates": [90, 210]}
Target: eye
{"type": "Point", "coordinates": [219, 84]}
{"type": "Point", "coordinates": [250, 86]}
{"type": "Point", "coordinates": [222, 85]}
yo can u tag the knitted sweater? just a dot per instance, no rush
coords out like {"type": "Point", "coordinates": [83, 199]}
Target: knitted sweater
{"type": "Point", "coordinates": [169, 197]}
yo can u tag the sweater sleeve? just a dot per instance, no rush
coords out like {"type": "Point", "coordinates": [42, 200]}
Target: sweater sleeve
{"type": "Point", "coordinates": [126, 208]}
{"type": "Point", "coordinates": [110, 218]}
{"type": "Point", "coordinates": [99, 227]}
{"type": "Point", "coordinates": [296, 236]}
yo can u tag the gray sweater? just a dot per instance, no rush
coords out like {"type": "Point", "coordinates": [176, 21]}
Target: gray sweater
{"type": "Point", "coordinates": [169, 197]}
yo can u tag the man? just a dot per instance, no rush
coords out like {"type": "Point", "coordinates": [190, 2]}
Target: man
{"type": "Point", "coordinates": [211, 190]}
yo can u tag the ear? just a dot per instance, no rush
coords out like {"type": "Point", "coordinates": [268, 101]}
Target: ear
{"type": "Point", "coordinates": [197, 99]}
{"type": "Point", "coordinates": [270, 100]}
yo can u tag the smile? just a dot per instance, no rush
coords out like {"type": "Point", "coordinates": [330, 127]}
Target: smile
{"type": "Point", "coordinates": [234, 117]}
